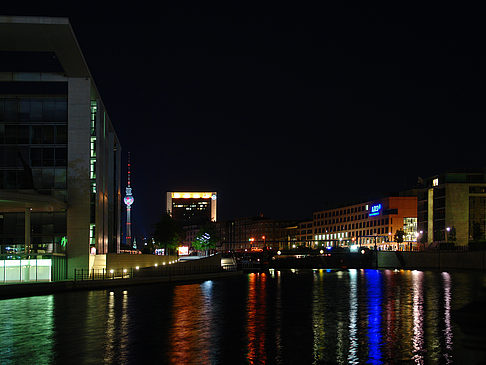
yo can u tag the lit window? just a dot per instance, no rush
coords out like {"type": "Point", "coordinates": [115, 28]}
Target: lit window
{"type": "Point", "coordinates": [435, 182]}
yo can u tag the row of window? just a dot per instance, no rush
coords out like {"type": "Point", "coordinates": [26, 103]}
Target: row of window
{"type": "Point", "coordinates": [369, 223]}
{"type": "Point", "coordinates": [48, 157]}
{"type": "Point", "coordinates": [31, 134]}
{"type": "Point", "coordinates": [40, 222]}
{"type": "Point", "coordinates": [379, 230]}
{"type": "Point", "coordinates": [42, 178]}
{"type": "Point", "coordinates": [335, 213]}
{"type": "Point", "coordinates": [11, 158]}
{"type": "Point", "coordinates": [342, 219]}
{"type": "Point", "coordinates": [52, 109]}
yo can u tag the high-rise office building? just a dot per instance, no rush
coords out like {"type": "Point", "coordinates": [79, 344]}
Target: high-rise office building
{"type": "Point", "coordinates": [191, 208]}
{"type": "Point", "coordinates": [59, 153]}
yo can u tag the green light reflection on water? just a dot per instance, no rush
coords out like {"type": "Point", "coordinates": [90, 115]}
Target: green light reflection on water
{"type": "Point", "coordinates": [26, 331]}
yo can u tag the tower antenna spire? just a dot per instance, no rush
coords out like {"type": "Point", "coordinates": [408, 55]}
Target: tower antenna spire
{"type": "Point", "coordinates": [128, 202]}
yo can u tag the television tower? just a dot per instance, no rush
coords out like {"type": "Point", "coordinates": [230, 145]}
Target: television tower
{"type": "Point", "coordinates": [128, 202]}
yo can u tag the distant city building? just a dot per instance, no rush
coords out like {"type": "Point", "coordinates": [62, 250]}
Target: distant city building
{"type": "Point", "coordinates": [305, 235]}
{"type": "Point", "coordinates": [190, 208]}
{"type": "Point", "coordinates": [452, 207]}
{"type": "Point", "coordinates": [256, 233]}
{"type": "Point", "coordinates": [59, 155]}
{"type": "Point", "coordinates": [366, 224]}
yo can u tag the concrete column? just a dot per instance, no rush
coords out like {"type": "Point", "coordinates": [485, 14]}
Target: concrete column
{"type": "Point", "coordinates": [27, 230]}
{"type": "Point", "coordinates": [78, 182]}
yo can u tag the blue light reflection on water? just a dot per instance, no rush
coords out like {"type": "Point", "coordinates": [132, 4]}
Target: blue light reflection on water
{"type": "Point", "coordinates": [374, 291]}
{"type": "Point", "coordinates": [336, 316]}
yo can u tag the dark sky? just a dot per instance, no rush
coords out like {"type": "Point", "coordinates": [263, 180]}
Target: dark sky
{"type": "Point", "coordinates": [286, 110]}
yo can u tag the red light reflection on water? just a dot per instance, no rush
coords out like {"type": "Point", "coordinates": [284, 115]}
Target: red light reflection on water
{"type": "Point", "coordinates": [188, 336]}
{"type": "Point", "coordinates": [256, 311]}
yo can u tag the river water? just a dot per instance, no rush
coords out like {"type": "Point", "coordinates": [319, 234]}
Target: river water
{"type": "Point", "coordinates": [277, 317]}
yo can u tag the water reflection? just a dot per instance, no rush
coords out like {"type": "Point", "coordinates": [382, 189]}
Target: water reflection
{"type": "Point", "coordinates": [373, 281]}
{"type": "Point", "coordinates": [110, 329]}
{"type": "Point", "coordinates": [188, 335]}
{"type": "Point", "coordinates": [320, 316]}
{"type": "Point", "coordinates": [353, 317]}
{"type": "Point", "coordinates": [256, 312]}
{"type": "Point", "coordinates": [446, 277]}
{"type": "Point", "coordinates": [418, 317]}
{"type": "Point", "coordinates": [26, 331]}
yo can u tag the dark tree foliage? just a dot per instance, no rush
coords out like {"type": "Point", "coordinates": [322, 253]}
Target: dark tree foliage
{"type": "Point", "coordinates": [168, 233]}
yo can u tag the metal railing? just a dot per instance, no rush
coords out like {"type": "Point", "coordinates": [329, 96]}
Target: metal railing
{"type": "Point", "coordinates": [154, 271]}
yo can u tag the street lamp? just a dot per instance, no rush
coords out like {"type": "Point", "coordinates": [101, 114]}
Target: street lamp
{"type": "Point", "coordinates": [252, 239]}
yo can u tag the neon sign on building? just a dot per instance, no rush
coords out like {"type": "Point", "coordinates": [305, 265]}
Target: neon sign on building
{"type": "Point", "coordinates": [375, 210]}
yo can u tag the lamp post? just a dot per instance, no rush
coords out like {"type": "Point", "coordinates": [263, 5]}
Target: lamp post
{"type": "Point", "coordinates": [448, 229]}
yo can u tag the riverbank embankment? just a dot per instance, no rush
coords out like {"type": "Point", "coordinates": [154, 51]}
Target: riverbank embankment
{"type": "Point", "coordinates": [436, 260]}
{"type": "Point", "coordinates": [31, 289]}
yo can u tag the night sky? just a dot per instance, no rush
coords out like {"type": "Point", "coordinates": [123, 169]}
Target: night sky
{"type": "Point", "coordinates": [284, 110]}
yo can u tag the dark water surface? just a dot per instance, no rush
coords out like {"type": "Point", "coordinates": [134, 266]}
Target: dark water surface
{"type": "Point", "coordinates": [286, 317]}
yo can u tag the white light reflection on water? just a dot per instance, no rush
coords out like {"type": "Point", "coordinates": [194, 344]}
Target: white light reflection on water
{"type": "Point", "coordinates": [110, 329]}
{"type": "Point", "coordinates": [447, 317]}
{"type": "Point", "coordinates": [418, 317]}
{"type": "Point", "coordinates": [353, 317]}
{"type": "Point", "coordinates": [318, 319]}
{"type": "Point", "coordinates": [124, 321]}
{"type": "Point", "coordinates": [26, 330]}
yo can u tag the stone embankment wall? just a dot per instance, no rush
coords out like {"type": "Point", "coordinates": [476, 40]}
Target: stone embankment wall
{"type": "Point", "coordinates": [468, 260]}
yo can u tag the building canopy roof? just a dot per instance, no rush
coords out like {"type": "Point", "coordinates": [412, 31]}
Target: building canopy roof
{"type": "Point", "coordinates": [44, 34]}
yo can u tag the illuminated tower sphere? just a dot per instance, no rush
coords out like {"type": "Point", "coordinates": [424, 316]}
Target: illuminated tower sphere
{"type": "Point", "coordinates": [128, 202]}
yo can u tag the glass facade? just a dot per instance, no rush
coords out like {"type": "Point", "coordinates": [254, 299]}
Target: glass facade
{"type": "Point", "coordinates": [192, 211]}
{"type": "Point", "coordinates": [33, 158]}
{"type": "Point", "coordinates": [477, 217]}
{"type": "Point", "coordinates": [33, 144]}
{"type": "Point", "coordinates": [92, 176]}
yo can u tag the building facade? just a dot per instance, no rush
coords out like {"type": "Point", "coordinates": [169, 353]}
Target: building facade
{"type": "Point", "coordinates": [452, 208]}
{"type": "Point", "coordinates": [257, 233]}
{"type": "Point", "coordinates": [367, 224]}
{"type": "Point", "coordinates": [192, 208]}
{"type": "Point", "coordinates": [59, 153]}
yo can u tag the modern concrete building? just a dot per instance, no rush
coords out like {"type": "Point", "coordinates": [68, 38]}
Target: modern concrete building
{"type": "Point", "coordinates": [452, 208]}
{"type": "Point", "coordinates": [59, 153]}
{"type": "Point", "coordinates": [190, 208]}
{"type": "Point", "coordinates": [368, 223]}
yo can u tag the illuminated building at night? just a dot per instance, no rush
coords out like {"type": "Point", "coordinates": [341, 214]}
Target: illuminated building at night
{"type": "Point", "coordinates": [366, 223]}
{"type": "Point", "coordinates": [59, 155]}
{"type": "Point", "coordinates": [452, 208]}
{"type": "Point", "coordinates": [191, 208]}
{"type": "Point", "coordinates": [250, 233]}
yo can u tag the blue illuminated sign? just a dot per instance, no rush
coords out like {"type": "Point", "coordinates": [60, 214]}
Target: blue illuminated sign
{"type": "Point", "coordinates": [375, 210]}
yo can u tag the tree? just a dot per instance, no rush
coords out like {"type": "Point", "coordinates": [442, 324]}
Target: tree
{"type": "Point", "coordinates": [398, 237]}
{"type": "Point", "coordinates": [205, 239]}
{"type": "Point", "coordinates": [168, 233]}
